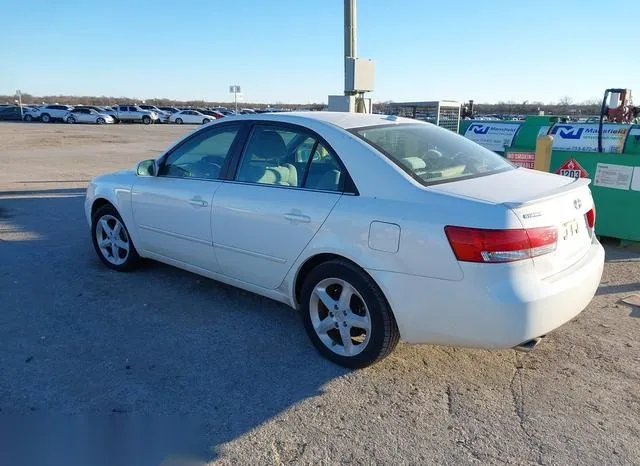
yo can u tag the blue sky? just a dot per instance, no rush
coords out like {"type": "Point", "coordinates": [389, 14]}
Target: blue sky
{"type": "Point", "coordinates": [291, 50]}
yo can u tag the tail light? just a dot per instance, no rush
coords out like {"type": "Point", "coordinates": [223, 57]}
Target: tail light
{"type": "Point", "coordinates": [591, 217]}
{"type": "Point", "coordinates": [491, 246]}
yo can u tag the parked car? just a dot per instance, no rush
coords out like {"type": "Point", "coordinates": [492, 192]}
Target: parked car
{"type": "Point", "coordinates": [211, 113]}
{"type": "Point", "coordinates": [49, 113]}
{"type": "Point", "coordinates": [190, 116]}
{"type": "Point", "coordinates": [88, 115]}
{"type": "Point", "coordinates": [11, 113]}
{"type": "Point", "coordinates": [386, 228]}
{"type": "Point", "coordinates": [162, 115]}
{"type": "Point", "coordinates": [132, 114]}
{"type": "Point", "coordinates": [170, 110]}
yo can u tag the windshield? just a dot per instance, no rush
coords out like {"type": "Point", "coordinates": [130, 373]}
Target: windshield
{"type": "Point", "coordinates": [431, 154]}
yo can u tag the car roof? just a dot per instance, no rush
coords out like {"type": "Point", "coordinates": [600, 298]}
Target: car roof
{"type": "Point", "coordinates": [343, 120]}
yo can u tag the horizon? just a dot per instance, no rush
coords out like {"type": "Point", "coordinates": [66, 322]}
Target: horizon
{"type": "Point", "coordinates": [466, 51]}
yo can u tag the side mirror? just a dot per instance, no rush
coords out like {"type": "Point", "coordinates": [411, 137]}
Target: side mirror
{"type": "Point", "coordinates": [147, 168]}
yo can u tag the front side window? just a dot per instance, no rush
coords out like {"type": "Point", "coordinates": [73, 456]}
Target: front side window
{"type": "Point", "coordinates": [431, 154]}
{"type": "Point", "coordinates": [201, 156]}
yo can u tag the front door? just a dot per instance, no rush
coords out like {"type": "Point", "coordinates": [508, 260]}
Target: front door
{"type": "Point", "coordinates": [266, 216]}
{"type": "Point", "coordinates": [172, 211]}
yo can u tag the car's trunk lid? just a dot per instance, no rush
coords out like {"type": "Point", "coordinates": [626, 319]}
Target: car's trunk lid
{"type": "Point", "coordinates": [539, 200]}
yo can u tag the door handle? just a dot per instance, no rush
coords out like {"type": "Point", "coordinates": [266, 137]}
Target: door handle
{"type": "Point", "coordinates": [299, 218]}
{"type": "Point", "coordinates": [198, 202]}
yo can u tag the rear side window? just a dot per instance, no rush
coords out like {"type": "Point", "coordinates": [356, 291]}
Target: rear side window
{"type": "Point", "coordinates": [431, 154]}
{"type": "Point", "coordinates": [289, 158]}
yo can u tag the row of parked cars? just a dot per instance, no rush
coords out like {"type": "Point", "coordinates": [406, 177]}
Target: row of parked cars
{"type": "Point", "coordinates": [146, 114]}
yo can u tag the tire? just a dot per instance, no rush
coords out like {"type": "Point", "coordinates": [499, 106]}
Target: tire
{"type": "Point", "coordinates": [179, 121]}
{"type": "Point", "coordinates": [45, 118]}
{"type": "Point", "coordinates": [71, 120]}
{"type": "Point", "coordinates": [28, 118]}
{"type": "Point", "coordinates": [122, 259]}
{"type": "Point", "coordinates": [366, 320]}
{"type": "Point", "coordinates": [100, 121]}
{"type": "Point", "coordinates": [146, 120]}
{"type": "Point", "coordinates": [205, 121]}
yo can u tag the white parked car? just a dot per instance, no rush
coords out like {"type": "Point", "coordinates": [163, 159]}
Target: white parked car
{"type": "Point", "coordinates": [376, 228]}
{"type": "Point", "coordinates": [49, 113]}
{"type": "Point", "coordinates": [190, 116]}
{"type": "Point", "coordinates": [88, 115]}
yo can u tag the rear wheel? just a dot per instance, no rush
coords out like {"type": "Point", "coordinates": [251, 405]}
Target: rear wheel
{"type": "Point", "coordinates": [205, 121]}
{"type": "Point", "coordinates": [146, 120]}
{"type": "Point", "coordinates": [112, 241]}
{"type": "Point", "coordinates": [179, 121]}
{"type": "Point", "coordinates": [45, 118]}
{"type": "Point", "coordinates": [346, 315]}
{"type": "Point", "coordinates": [28, 118]}
{"type": "Point", "coordinates": [71, 120]}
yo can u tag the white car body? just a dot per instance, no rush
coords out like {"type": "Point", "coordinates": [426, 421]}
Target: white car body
{"type": "Point", "coordinates": [53, 112]}
{"type": "Point", "coordinates": [259, 237]}
{"type": "Point", "coordinates": [87, 115]}
{"type": "Point", "coordinates": [190, 117]}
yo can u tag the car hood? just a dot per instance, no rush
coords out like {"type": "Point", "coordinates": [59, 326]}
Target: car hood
{"type": "Point", "coordinates": [514, 187]}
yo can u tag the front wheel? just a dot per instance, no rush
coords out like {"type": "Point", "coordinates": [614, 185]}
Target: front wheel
{"type": "Point", "coordinates": [112, 241]}
{"type": "Point", "coordinates": [71, 120]}
{"type": "Point", "coordinates": [100, 121]}
{"type": "Point", "coordinates": [346, 315]}
{"type": "Point", "coordinates": [205, 121]}
{"type": "Point", "coordinates": [45, 118]}
{"type": "Point", "coordinates": [28, 118]}
{"type": "Point", "coordinates": [146, 120]}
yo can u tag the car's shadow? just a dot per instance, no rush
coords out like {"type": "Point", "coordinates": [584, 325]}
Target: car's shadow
{"type": "Point", "coordinates": [206, 361]}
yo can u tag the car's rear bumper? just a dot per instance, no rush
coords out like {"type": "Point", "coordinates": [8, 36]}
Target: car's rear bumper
{"type": "Point", "coordinates": [494, 305]}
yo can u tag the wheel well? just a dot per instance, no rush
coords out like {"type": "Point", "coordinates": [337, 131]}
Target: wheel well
{"type": "Point", "coordinates": [311, 264]}
{"type": "Point", "coordinates": [98, 203]}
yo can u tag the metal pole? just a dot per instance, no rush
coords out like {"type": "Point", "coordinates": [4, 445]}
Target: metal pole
{"type": "Point", "coordinates": [20, 104]}
{"type": "Point", "coordinates": [235, 98]}
{"type": "Point", "coordinates": [349, 36]}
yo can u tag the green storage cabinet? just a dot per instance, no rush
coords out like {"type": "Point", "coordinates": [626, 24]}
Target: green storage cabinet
{"type": "Point", "coordinates": [534, 126]}
{"type": "Point", "coordinates": [617, 210]}
{"type": "Point", "coordinates": [632, 145]}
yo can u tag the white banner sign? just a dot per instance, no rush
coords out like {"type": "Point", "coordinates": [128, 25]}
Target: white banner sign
{"type": "Point", "coordinates": [584, 137]}
{"type": "Point", "coordinates": [492, 136]}
{"type": "Point", "coordinates": [613, 176]}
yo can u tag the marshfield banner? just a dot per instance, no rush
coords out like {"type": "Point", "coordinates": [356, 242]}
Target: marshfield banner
{"type": "Point", "coordinates": [492, 136]}
{"type": "Point", "coordinates": [584, 137]}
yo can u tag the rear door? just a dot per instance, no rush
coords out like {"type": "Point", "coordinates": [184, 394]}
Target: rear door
{"type": "Point", "coordinates": [266, 215]}
{"type": "Point", "coordinates": [172, 211]}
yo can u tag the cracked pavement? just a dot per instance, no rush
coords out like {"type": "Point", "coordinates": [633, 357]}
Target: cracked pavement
{"type": "Point", "coordinates": [190, 371]}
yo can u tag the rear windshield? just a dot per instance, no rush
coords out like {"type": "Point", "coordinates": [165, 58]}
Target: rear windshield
{"type": "Point", "coordinates": [431, 154]}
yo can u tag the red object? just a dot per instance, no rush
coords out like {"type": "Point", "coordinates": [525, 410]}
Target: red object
{"type": "Point", "coordinates": [492, 246]}
{"type": "Point", "coordinates": [572, 169]}
{"type": "Point", "coordinates": [591, 217]}
{"type": "Point", "coordinates": [522, 159]}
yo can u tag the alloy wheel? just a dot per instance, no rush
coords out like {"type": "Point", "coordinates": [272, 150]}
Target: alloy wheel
{"type": "Point", "coordinates": [340, 317]}
{"type": "Point", "coordinates": [112, 240]}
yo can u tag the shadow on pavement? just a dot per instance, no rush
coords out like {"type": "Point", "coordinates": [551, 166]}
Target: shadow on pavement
{"type": "Point", "coordinates": [194, 362]}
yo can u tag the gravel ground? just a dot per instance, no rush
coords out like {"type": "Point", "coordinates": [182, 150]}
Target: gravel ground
{"type": "Point", "coordinates": [161, 366]}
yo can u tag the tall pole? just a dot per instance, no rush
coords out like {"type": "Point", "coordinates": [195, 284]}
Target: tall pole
{"type": "Point", "coordinates": [349, 37]}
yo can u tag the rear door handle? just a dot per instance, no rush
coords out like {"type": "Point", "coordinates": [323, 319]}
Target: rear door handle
{"type": "Point", "coordinates": [299, 218]}
{"type": "Point", "coordinates": [198, 202]}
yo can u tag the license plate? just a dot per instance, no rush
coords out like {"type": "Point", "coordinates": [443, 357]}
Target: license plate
{"type": "Point", "coordinates": [569, 229]}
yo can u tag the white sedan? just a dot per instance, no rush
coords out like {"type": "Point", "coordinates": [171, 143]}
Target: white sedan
{"type": "Point", "coordinates": [374, 227]}
{"type": "Point", "coordinates": [87, 115]}
{"type": "Point", "coordinates": [190, 116]}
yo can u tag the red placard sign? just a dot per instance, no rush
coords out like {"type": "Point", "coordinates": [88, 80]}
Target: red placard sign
{"type": "Point", "coordinates": [573, 169]}
{"type": "Point", "coordinates": [522, 159]}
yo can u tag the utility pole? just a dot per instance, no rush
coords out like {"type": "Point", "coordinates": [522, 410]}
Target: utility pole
{"type": "Point", "coordinates": [349, 39]}
{"type": "Point", "coordinates": [20, 103]}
